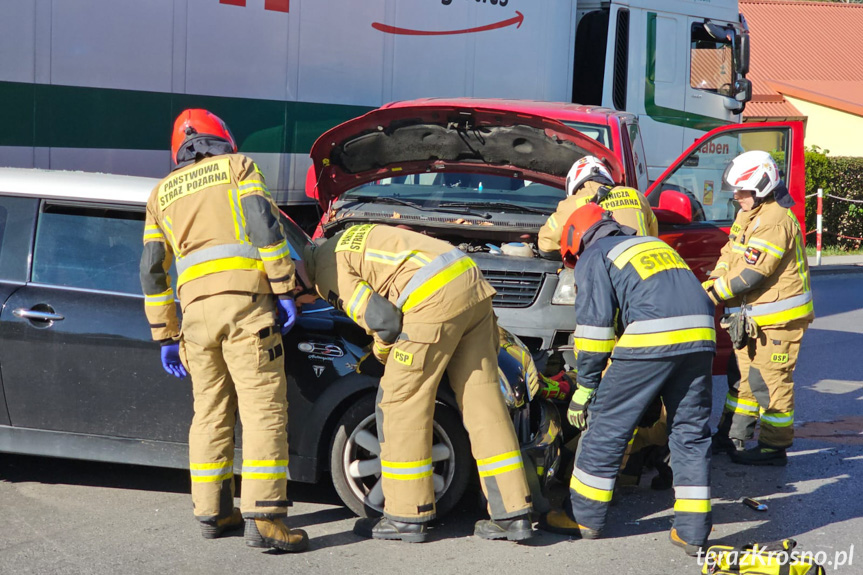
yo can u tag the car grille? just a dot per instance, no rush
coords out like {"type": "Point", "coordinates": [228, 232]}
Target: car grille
{"type": "Point", "coordinates": [514, 289]}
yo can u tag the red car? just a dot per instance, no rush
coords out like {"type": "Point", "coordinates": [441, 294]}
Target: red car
{"type": "Point", "coordinates": [485, 174]}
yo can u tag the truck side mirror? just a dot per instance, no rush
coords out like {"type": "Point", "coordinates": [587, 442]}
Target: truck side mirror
{"type": "Point", "coordinates": [743, 54]}
{"type": "Point", "coordinates": [674, 208]}
{"type": "Point", "coordinates": [743, 90]}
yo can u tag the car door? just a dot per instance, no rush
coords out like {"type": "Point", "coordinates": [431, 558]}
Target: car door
{"type": "Point", "coordinates": [75, 347]}
{"type": "Point", "coordinates": [697, 173]}
{"type": "Point", "coordinates": [17, 222]}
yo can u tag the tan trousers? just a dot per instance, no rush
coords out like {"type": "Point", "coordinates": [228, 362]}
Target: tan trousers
{"type": "Point", "coordinates": [233, 351]}
{"type": "Point", "coordinates": [766, 388]}
{"type": "Point", "coordinates": [466, 347]}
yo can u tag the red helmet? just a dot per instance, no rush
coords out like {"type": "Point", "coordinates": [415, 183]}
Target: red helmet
{"type": "Point", "coordinates": [196, 121]}
{"type": "Point", "coordinates": [574, 229]}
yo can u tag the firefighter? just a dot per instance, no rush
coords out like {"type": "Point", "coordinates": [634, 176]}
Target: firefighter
{"type": "Point", "coordinates": [214, 217]}
{"type": "Point", "coordinates": [589, 180]}
{"type": "Point", "coordinates": [429, 310]}
{"type": "Point", "coordinates": [764, 275]}
{"type": "Point", "coordinates": [640, 292]}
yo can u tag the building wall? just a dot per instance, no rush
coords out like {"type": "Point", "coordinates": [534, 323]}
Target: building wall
{"type": "Point", "coordinates": [830, 129]}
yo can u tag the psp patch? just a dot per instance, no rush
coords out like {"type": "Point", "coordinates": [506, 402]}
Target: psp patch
{"type": "Point", "coordinates": [751, 256]}
{"type": "Point", "coordinates": [403, 357]}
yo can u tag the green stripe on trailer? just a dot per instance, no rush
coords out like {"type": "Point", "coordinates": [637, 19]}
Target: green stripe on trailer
{"type": "Point", "coordinates": [45, 115]}
{"type": "Point", "coordinates": [659, 113]}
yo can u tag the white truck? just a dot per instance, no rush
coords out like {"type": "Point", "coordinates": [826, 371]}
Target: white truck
{"type": "Point", "coordinates": [95, 84]}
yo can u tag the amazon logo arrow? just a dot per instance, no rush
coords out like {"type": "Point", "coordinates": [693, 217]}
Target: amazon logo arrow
{"type": "Point", "coordinates": [387, 29]}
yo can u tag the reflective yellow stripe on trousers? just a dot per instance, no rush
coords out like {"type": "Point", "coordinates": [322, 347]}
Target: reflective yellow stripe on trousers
{"type": "Point", "coordinates": [592, 486]}
{"type": "Point", "coordinates": [406, 470]}
{"type": "Point", "coordinates": [498, 464]}
{"type": "Point", "coordinates": [692, 498]}
{"type": "Point", "coordinates": [267, 469]}
{"type": "Point", "coordinates": [211, 472]}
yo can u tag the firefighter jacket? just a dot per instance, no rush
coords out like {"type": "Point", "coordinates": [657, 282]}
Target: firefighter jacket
{"type": "Point", "coordinates": [382, 276]}
{"type": "Point", "coordinates": [763, 267]}
{"type": "Point", "coordinates": [640, 291]}
{"type": "Point", "coordinates": [628, 206]}
{"type": "Point", "coordinates": [215, 219]}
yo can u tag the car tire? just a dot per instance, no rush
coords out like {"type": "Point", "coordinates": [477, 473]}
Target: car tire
{"type": "Point", "coordinates": [355, 464]}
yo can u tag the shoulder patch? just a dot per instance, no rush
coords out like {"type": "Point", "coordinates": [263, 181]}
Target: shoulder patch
{"type": "Point", "coordinates": [751, 255]}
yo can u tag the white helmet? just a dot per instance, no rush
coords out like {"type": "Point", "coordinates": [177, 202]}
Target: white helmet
{"type": "Point", "coordinates": [584, 169]}
{"type": "Point", "coordinates": [755, 171]}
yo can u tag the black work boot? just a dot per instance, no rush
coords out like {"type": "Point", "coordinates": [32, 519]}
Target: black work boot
{"type": "Point", "coordinates": [690, 548]}
{"type": "Point", "coordinates": [274, 534]}
{"type": "Point", "coordinates": [761, 455]}
{"type": "Point", "coordinates": [559, 521]}
{"type": "Point", "coordinates": [216, 527]}
{"type": "Point", "coordinates": [515, 529]}
{"type": "Point", "coordinates": [385, 528]}
{"type": "Point", "coordinates": [721, 443]}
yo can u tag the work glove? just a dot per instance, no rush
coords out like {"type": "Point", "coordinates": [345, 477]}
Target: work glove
{"type": "Point", "coordinates": [171, 360]}
{"type": "Point", "coordinates": [369, 365]}
{"type": "Point", "coordinates": [556, 387]}
{"type": "Point", "coordinates": [707, 284]}
{"type": "Point", "coordinates": [287, 309]}
{"type": "Point", "coordinates": [577, 412]}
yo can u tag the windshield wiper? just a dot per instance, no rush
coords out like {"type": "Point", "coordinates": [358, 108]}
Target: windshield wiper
{"type": "Point", "coordinates": [507, 205]}
{"type": "Point", "coordinates": [420, 207]}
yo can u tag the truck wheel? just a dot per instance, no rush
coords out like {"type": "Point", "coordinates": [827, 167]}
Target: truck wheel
{"type": "Point", "coordinates": [355, 462]}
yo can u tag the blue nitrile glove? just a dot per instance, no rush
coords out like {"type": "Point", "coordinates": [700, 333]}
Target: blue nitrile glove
{"type": "Point", "coordinates": [577, 412]}
{"type": "Point", "coordinates": [171, 360]}
{"type": "Point", "coordinates": [287, 314]}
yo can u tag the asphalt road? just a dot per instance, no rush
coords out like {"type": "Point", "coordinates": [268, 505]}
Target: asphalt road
{"type": "Point", "coordinates": [63, 516]}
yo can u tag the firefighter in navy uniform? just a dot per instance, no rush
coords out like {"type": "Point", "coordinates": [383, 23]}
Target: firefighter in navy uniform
{"type": "Point", "coordinates": [429, 311]}
{"type": "Point", "coordinates": [589, 180]}
{"type": "Point", "coordinates": [763, 278]}
{"type": "Point", "coordinates": [214, 217]}
{"type": "Point", "coordinates": [639, 291]}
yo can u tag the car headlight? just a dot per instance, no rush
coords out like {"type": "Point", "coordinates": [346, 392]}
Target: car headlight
{"type": "Point", "coordinates": [564, 293]}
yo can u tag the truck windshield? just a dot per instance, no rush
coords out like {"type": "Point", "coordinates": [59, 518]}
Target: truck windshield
{"type": "Point", "coordinates": [449, 189]}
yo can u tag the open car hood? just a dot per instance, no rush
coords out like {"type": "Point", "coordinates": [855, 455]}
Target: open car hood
{"type": "Point", "coordinates": [402, 141]}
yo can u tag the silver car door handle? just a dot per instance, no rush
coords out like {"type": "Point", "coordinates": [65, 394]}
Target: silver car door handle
{"type": "Point", "coordinates": [37, 315]}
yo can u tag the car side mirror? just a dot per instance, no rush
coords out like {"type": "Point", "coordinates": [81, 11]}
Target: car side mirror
{"type": "Point", "coordinates": [674, 208]}
{"type": "Point", "coordinates": [311, 183]}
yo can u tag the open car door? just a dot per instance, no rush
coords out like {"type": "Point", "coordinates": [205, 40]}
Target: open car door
{"type": "Point", "coordinates": [695, 210]}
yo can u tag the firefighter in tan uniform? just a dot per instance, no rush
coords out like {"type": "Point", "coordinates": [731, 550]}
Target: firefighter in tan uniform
{"type": "Point", "coordinates": [589, 180]}
{"type": "Point", "coordinates": [763, 270]}
{"type": "Point", "coordinates": [214, 218]}
{"type": "Point", "coordinates": [429, 311]}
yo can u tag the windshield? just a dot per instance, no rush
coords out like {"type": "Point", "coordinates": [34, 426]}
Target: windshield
{"type": "Point", "coordinates": [449, 189]}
